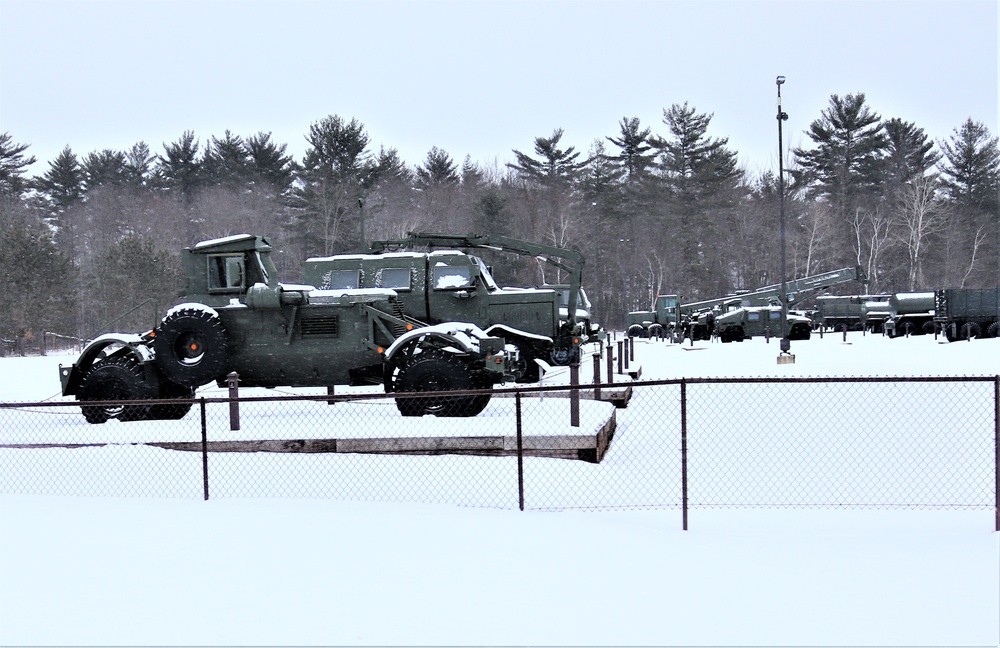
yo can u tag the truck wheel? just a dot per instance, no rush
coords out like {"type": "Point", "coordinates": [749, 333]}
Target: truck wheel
{"type": "Point", "coordinates": [190, 347]}
{"type": "Point", "coordinates": [636, 330]}
{"type": "Point", "coordinates": [438, 371]}
{"type": "Point", "coordinates": [993, 330]}
{"type": "Point", "coordinates": [526, 369]}
{"type": "Point", "coordinates": [655, 332]}
{"type": "Point", "coordinates": [117, 379]}
{"type": "Point", "coordinates": [563, 356]}
{"type": "Point", "coordinates": [171, 412]}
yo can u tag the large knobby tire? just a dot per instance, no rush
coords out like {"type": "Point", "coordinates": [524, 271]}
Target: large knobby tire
{"type": "Point", "coordinates": [116, 379]}
{"type": "Point", "coordinates": [434, 370]}
{"type": "Point", "coordinates": [993, 330]}
{"type": "Point", "coordinates": [636, 330]}
{"type": "Point", "coordinates": [799, 332]}
{"type": "Point", "coordinates": [190, 347]}
{"type": "Point", "coordinates": [171, 411]}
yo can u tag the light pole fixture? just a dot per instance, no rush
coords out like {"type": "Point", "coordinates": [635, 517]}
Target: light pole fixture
{"type": "Point", "coordinates": [785, 357]}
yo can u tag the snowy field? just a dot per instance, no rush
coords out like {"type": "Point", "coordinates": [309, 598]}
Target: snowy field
{"type": "Point", "coordinates": [171, 569]}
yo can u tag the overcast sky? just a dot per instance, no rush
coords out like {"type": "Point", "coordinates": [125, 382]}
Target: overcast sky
{"type": "Point", "coordinates": [480, 78]}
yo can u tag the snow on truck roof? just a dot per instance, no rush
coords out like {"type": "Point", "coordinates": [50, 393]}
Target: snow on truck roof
{"type": "Point", "coordinates": [224, 240]}
{"type": "Point", "coordinates": [387, 255]}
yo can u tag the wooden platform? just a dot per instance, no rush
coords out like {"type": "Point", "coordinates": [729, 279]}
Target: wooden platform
{"type": "Point", "coordinates": [584, 447]}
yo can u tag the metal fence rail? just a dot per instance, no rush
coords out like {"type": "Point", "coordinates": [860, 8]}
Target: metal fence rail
{"type": "Point", "coordinates": [692, 443]}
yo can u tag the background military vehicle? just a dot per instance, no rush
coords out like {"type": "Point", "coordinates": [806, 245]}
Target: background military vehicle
{"type": "Point", "coordinates": [755, 321]}
{"type": "Point", "coordinates": [698, 320]}
{"type": "Point", "coordinates": [548, 322]}
{"type": "Point", "coordinates": [963, 313]}
{"type": "Point", "coordinates": [910, 313]}
{"type": "Point", "coordinates": [238, 317]}
{"type": "Point", "coordinates": [856, 312]}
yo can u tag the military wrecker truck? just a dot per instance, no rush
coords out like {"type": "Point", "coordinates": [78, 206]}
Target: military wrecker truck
{"type": "Point", "coordinates": [548, 323]}
{"type": "Point", "coordinates": [239, 318]}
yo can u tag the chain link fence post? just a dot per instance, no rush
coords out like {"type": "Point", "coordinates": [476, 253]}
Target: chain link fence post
{"type": "Point", "coordinates": [204, 448]}
{"type": "Point", "coordinates": [233, 380]}
{"type": "Point", "coordinates": [684, 458]}
{"type": "Point", "coordinates": [520, 451]}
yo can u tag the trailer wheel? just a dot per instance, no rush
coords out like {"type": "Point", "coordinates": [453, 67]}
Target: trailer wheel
{"type": "Point", "coordinates": [433, 371]}
{"type": "Point", "coordinates": [190, 347]}
{"type": "Point", "coordinates": [971, 330]}
{"type": "Point", "coordinates": [116, 379]}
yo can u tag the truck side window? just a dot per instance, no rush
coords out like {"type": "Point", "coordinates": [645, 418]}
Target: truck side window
{"type": "Point", "coordinates": [225, 273]}
{"type": "Point", "coordinates": [342, 279]}
{"type": "Point", "coordinates": [452, 277]}
{"type": "Point", "coordinates": [398, 278]}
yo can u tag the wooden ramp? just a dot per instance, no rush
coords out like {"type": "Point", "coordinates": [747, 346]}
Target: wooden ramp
{"type": "Point", "coordinates": [586, 446]}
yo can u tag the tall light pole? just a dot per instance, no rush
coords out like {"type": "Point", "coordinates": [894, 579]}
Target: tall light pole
{"type": "Point", "coordinates": [785, 356]}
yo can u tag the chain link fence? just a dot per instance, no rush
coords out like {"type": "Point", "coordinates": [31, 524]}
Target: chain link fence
{"type": "Point", "coordinates": [680, 444]}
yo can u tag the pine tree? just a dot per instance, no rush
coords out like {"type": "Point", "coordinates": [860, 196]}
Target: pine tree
{"type": "Point", "coordinates": [226, 162]}
{"type": "Point", "coordinates": [637, 152]}
{"type": "Point", "coordinates": [846, 165]}
{"type": "Point", "coordinates": [971, 178]}
{"type": "Point", "coordinates": [336, 169]}
{"type": "Point", "coordinates": [437, 170]}
{"type": "Point", "coordinates": [13, 164]}
{"type": "Point", "coordinates": [179, 167]}
{"type": "Point", "coordinates": [700, 177]}
{"type": "Point", "coordinates": [270, 162]}
{"type": "Point", "coordinates": [105, 167]}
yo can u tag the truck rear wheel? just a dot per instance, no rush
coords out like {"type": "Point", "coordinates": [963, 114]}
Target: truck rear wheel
{"type": "Point", "coordinates": [116, 379]}
{"type": "Point", "coordinates": [636, 330]}
{"type": "Point", "coordinates": [190, 347]}
{"type": "Point", "coordinates": [438, 371]}
{"type": "Point", "coordinates": [993, 330]}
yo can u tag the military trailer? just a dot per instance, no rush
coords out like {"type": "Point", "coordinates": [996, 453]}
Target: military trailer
{"type": "Point", "coordinates": [755, 321]}
{"type": "Point", "coordinates": [964, 313]}
{"type": "Point", "coordinates": [238, 317]}
{"type": "Point", "coordinates": [910, 313]}
{"type": "Point", "coordinates": [548, 323]}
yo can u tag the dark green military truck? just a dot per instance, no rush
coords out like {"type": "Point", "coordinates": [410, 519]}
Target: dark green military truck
{"type": "Point", "coordinates": [436, 281]}
{"type": "Point", "coordinates": [238, 317]}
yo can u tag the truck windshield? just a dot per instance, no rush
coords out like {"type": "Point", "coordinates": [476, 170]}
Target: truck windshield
{"type": "Point", "coordinates": [484, 272]}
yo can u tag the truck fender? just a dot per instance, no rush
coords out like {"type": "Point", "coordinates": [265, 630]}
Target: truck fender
{"type": "Point", "coordinates": [504, 331]}
{"type": "Point", "coordinates": [461, 337]}
{"type": "Point", "coordinates": [95, 350]}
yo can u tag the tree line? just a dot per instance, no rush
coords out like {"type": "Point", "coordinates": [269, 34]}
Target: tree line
{"type": "Point", "coordinates": [92, 244]}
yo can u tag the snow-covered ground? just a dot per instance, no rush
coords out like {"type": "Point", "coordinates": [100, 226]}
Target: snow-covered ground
{"type": "Point", "coordinates": [176, 570]}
